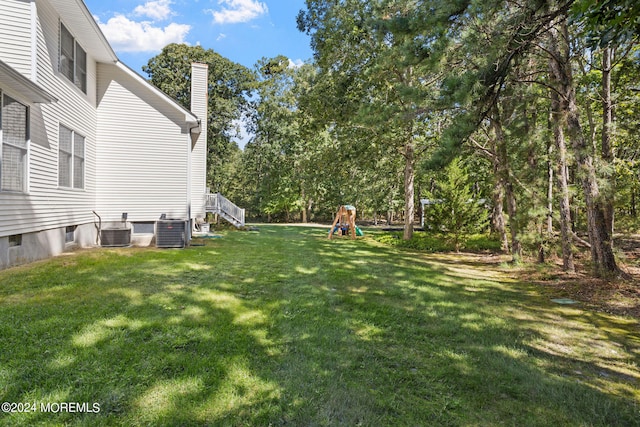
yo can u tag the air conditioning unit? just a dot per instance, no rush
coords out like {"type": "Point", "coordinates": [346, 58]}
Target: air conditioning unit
{"type": "Point", "coordinates": [171, 233]}
{"type": "Point", "coordinates": [115, 237]}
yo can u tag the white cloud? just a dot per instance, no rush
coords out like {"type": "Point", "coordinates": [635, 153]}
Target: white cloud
{"type": "Point", "coordinates": [158, 10]}
{"type": "Point", "coordinates": [296, 64]}
{"type": "Point", "coordinates": [222, 36]}
{"type": "Point", "coordinates": [238, 11]}
{"type": "Point", "coordinates": [126, 35]}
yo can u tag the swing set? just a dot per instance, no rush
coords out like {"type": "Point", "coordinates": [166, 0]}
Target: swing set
{"type": "Point", "coordinates": [345, 222]}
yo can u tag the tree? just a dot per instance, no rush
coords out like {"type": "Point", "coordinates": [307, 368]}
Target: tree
{"type": "Point", "coordinates": [456, 212]}
{"type": "Point", "coordinates": [608, 22]}
{"type": "Point", "coordinates": [602, 256]}
{"type": "Point", "coordinates": [402, 82]}
{"type": "Point", "coordinates": [557, 120]}
{"type": "Point", "coordinates": [371, 57]}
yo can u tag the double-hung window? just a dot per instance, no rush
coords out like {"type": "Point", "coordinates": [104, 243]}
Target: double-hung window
{"type": "Point", "coordinates": [15, 140]}
{"type": "Point", "coordinates": [73, 59]}
{"type": "Point", "coordinates": [70, 159]}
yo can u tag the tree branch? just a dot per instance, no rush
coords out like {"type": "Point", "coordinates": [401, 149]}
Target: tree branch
{"type": "Point", "coordinates": [484, 150]}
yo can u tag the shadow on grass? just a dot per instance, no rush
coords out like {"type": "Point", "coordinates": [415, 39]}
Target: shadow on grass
{"type": "Point", "coordinates": [283, 326]}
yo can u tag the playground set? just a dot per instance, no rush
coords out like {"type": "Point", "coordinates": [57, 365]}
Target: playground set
{"type": "Point", "coordinates": [345, 223]}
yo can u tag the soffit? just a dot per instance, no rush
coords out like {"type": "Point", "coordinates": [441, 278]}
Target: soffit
{"type": "Point", "coordinates": [77, 17]}
{"type": "Point", "coordinates": [20, 84]}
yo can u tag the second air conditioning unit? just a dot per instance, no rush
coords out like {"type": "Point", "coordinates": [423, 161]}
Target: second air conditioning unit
{"type": "Point", "coordinates": [171, 233]}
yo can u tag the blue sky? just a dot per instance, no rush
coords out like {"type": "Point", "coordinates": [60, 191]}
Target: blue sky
{"type": "Point", "coordinates": [242, 30]}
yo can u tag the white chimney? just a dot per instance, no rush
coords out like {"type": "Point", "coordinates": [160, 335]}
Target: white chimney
{"type": "Point", "coordinates": [199, 107]}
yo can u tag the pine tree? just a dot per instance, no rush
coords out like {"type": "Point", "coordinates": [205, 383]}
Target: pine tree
{"type": "Point", "coordinates": [455, 212]}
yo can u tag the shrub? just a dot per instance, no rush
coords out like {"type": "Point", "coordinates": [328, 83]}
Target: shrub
{"type": "Point", "coordinates": [456, 214]}
{"type": "Point", "coordinates": [429, 242]}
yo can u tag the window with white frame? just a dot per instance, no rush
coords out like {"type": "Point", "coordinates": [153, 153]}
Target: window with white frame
{"type": "Point", "coordinates": [73, 59]}
{"type": "Point", "coordinates": [15, 145]}
{"type": "Point", "coordinates": [70, 158]}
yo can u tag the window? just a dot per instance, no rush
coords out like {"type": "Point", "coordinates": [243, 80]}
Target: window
{"type": "Point", "coordinates": [144, 227]}
{"type": "Point", "coordinates": [15, 240]}
{"type": "Point", "coordinates": [15, 138]}
{"type": "Point", "coordinates": [67, 58]}
{"type": "Point", "coordinates": [81, 69]}
{"type": "Point", "coordinates": [78, 161]}
{"type": "Point", "coordinates": [73, 59]}
{"type": "Point", "coordinates": [70, 234]}
{"type": "Point", "coordinates": [70, 159]}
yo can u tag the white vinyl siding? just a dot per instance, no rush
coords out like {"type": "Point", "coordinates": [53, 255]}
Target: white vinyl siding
{"type": "Point", "coordinates": [130, 145]}
{"type": "Point", "coordinates": [47, 205]}
{"type": "Point", "coordinates": [142, 152]}
{"type": "Point", "coordinates": [15, 34]}
{"type": "Point", "coordinates": [15, 145]}
{"type": "Point", "coordinates": [199, 107]}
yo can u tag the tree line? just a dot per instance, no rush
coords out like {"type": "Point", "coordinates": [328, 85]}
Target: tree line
{"type": "Point", "coordinates": [535, 103]}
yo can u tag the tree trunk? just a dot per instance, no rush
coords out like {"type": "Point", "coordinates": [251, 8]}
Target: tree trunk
{"type": "Point", "coordinates": [604, 262]}
{"type": "Point", "coordinates": [516, 246]}
{"type": "Point", "coordinates": [565, 207]}
{"type": "Point", "coordinates": [304, 209]}
{"type": "Point", "coordinates": [607, 147]}
{"type": "Point", "coordinates": [558, 122]}
{"type": "Point", "coordinates": [504, 174]}
{"type": "Point", "coordinates": [549, 190]}
{"type": "Point", "coordinates": [409, 176]}
{"type": "Point", "coordinates": [497, 215]}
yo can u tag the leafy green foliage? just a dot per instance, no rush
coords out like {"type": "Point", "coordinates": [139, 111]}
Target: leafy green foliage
{"type": "Point", "coordinates": [272, 158]}
{"type": "Point", "coordinates": [455, 213]}
{"type": "Point", "coordinates": [608, 22]}
{"type": "Point", "coordinates": [432, 242]}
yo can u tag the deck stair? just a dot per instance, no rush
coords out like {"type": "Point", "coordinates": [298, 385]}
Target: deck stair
{"type": "Point", "coordinates": [218, 204]}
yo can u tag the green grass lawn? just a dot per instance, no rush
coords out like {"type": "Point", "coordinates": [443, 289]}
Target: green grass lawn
{"type": "Point", "coordinates": [283, 327]}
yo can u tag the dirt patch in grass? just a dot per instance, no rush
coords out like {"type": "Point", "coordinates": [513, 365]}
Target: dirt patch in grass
{"type": "Point", "coordinates": [615, 296]}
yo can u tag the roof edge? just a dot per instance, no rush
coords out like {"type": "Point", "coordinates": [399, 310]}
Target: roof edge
{"type": "Point", "coordinates": [31, 90]}
{"type": "Point", "coordinates": [103, 38]}
{"type": "Point", "coordinates": [189, 118]}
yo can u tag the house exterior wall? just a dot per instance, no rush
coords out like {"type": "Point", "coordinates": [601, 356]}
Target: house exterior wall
{"type": "Point", "coordinates": [44, 244]}
{"type": "Point", "coordinates": [143, 154]}
{"type": "Point", "coordinates": [138, 157]}
{"type": "Point", "coordinates": [45, 205]}
{"type": "Point", "coordinates": [15, 33]}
